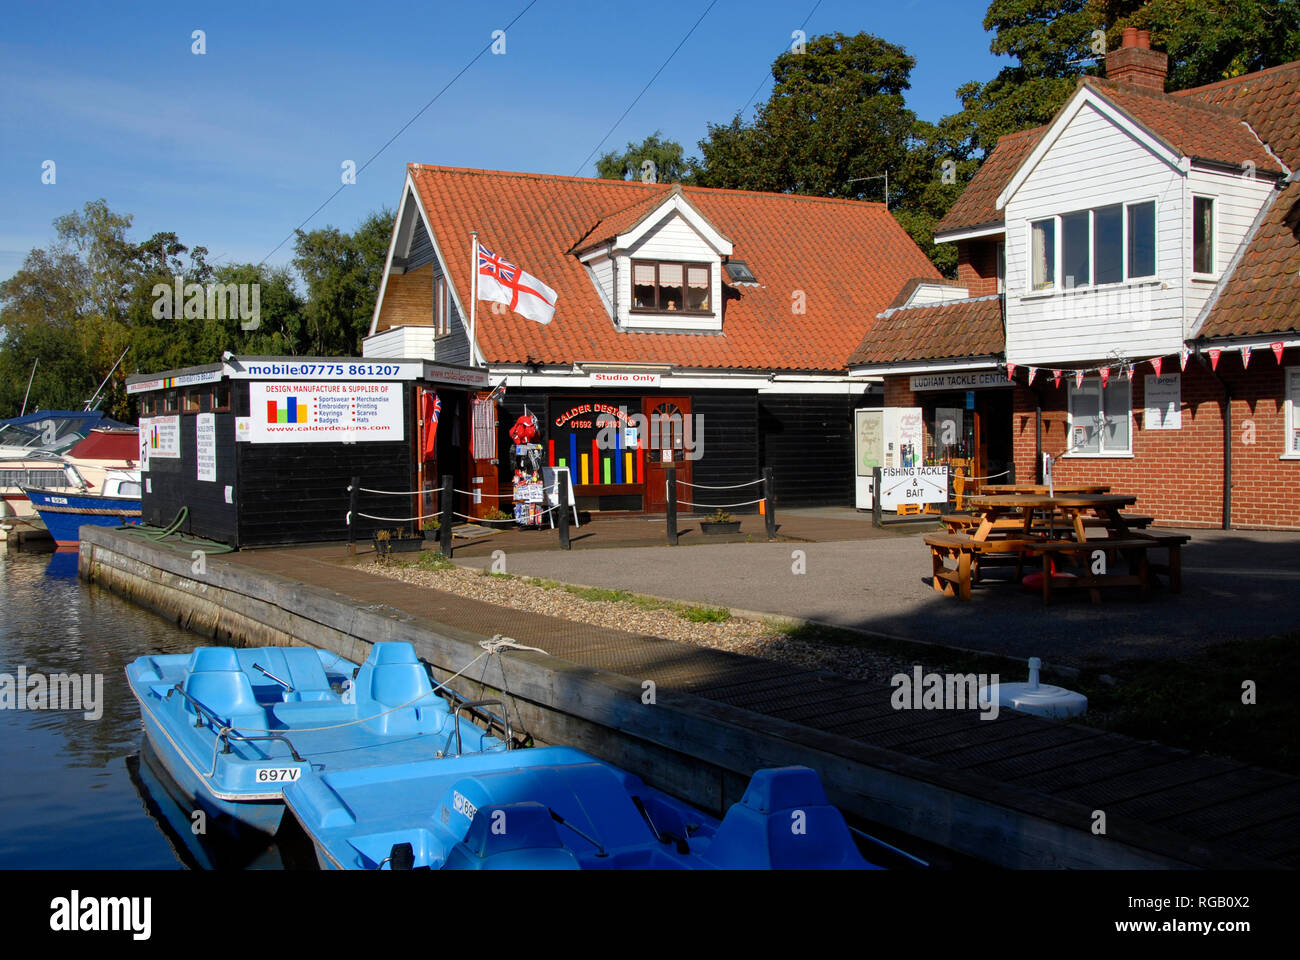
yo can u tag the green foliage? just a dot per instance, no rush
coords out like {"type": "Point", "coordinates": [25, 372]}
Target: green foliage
{"type": "Point", "coordinates": [342, 274]}
{"type": "Point", "coordinates": [835, 124]}
{"type": "Point", "coordinates": [705, 614]}
{"type": "Point", "coordinates": [93, 294]}
{"type": "Point", "coordinates": [670, 166]}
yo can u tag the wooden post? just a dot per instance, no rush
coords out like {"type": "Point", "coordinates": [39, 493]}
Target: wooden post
{"type": "Point", "coordinates": [1011, 473]}
{"type": "Point", "coordinates": [876, 519]}
{"type": "Point", "coordinates": [562, 506]}
{"type": "Point", "coordinates": [354, 489]}
{"type": "Point", "coordinates": [670, 476]}
{"type": "Point", "coordinates": [769, 501]}
{"type": "Point", "coordinates": [446, 503]}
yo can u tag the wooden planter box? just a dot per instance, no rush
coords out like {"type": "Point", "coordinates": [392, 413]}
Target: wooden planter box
{"type": "Point", "coordinates": [711, 527]}
{"type": "Point", "coordinates": [406, 545]}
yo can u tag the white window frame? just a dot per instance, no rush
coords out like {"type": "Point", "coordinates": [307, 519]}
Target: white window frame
{"type": "Point", "coordinates": [441, 307]}
{"type": "Point", "coordinates": [1058, 281]}
{"type": "Point", "coordinates": [1214, 238]}
{"type": "Point", "coordinates": [1291, 390]}
{"type": "Point", "coordinates": [1091, 384]}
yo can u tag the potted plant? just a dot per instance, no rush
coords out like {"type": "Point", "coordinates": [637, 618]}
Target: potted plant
{"type": "Point", "coordinates": [719, 522]}
{"type": "Point", "coordinates": [399, 540]}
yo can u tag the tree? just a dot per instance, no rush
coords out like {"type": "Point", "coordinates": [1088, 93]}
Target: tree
{"type": "Point", "coordinates": [835, 124]}
{"type": "Point", "coordinates": [342, 273]}
{"type": "Point", "coordinates": [836, 116]}
{"type": "Point", "coordinates": [1057, 41]}
{"type": "Point", "coordinates": [665, 157]}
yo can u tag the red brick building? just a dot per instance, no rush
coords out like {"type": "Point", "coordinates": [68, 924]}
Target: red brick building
{"type": "Point", "coordinates": [1127, 301]}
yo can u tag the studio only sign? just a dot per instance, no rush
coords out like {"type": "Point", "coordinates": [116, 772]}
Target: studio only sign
{"type": "Point", "coordinates": [912, 485]}
{"type": "Point", "coordinates": [323, 412]}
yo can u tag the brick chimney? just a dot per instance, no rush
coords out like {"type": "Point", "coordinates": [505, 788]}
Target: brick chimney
{"type": "Point", "coordinates": [1136, 63]}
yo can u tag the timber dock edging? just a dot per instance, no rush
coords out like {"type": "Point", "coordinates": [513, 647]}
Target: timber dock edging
{"type": "Point", "coordinates": [603, 713]}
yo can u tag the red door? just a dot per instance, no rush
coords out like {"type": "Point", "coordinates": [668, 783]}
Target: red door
{"type": "Point", "coordinates": [668, 422]}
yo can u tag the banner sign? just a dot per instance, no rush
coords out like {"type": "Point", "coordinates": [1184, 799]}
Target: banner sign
{"type": "Point", "coordinates": [912, 485]}
{"type": "Point", "coordinates": [1164, 404]}
{"type": "Point", "coordinates": [205, 445]}
{"type": "Point", "coordinates": [325, 412]}
{"type": "Point", "coordinates": [164, 437]}
{"type": "Point", "coordinates": [288, 368]}
{"type": "Point", "coordinates": [956, 381]}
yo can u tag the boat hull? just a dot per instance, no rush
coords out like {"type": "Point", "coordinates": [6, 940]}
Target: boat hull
{"type": "Point", "coordinates": [64, 513]}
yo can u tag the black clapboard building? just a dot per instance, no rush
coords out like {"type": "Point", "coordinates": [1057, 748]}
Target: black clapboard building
{"type": "Point", "coordinates": [255, 451]}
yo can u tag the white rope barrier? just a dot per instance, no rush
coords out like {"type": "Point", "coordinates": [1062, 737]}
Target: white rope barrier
{"type": "Point", "coordinates": [732, 486]}
{"type": "Point", "coordinates": [992, 476]}
{"type": "Point", "coordinates": [719, 506]}
{"type": "Point", "coordinates": [398, 493]}
{"type": "Point", "coordinates": [371, 516]}
{"type": "Point", "coordinates": [484, 493]}
{"type": "Point", "coordinates": [507, 520]}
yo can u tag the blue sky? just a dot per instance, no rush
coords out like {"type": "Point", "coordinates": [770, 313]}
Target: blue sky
{"type": "Point", "coordinates": [234, 148]}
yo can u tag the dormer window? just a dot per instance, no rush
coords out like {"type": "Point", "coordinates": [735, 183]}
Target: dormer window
{"type": "Point", "coordinates": [666, 287]}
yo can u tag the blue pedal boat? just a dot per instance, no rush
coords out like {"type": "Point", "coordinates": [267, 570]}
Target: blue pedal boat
{"type": "Point", "coordinates": [233, 727]}
{"type": "Point", "coordinates": [560, 808]}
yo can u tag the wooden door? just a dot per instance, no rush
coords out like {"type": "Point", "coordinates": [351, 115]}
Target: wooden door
{"type": "Point", "coordinates": [667, 420]}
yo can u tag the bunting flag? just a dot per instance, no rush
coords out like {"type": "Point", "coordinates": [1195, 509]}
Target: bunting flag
{"type": "Point", "coordinates": [1011, 371]}
{"type": "Point", "coordinates": [1183, 354]}
{"type": "Point", "coordinates": [1056, 375]}
{"type": "Point", "coordinates": [1033, 372]}
{"type": "Point", "coordinates": [1105, 377]}
{"type": "Point", "coordinates": [1214, 358]}
{"type": "Point", "coordinates": [1156, 363]}
{"type": "Point", "coordinates": [1277, 350]}
{"type": "Point", "coordinates": [1245, 357]}
{"type": "Point", "coordinates": [1078, 379]}
{"type": "Point", "coordinates": [1128, 372]}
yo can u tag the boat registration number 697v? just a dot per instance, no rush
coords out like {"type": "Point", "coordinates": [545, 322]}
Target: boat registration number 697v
{"type": "Point", "coordinates": [278, 774]}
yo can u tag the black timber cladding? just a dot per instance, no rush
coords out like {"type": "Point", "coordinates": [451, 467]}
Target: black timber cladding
{"type": "Point", "coordinates": [298, 492]}
{"type": "Point", "coordinates": [279, 492]}
{"type": "Point", "coordinates": [806, 438]}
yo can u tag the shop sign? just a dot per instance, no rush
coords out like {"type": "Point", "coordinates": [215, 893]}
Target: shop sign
{"type": "Point", "coordinates": [325, 412]}
{"type": "Point", "coordinates": [624, 379]}
{"type": "Point", "coordinates": [912, 485]}
{"type": "Point", "coordinates": [957, 381]}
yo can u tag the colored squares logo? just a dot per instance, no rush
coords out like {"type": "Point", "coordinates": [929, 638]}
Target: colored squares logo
{"type": "Point", "coordinates": [288, 410]}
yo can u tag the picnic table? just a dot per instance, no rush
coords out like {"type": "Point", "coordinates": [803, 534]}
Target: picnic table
{"type": "Point", "coordinates": [1012, 524]}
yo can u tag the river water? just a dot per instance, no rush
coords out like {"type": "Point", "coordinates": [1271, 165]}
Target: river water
{"type": "Point", "coordinates": [75, 792]}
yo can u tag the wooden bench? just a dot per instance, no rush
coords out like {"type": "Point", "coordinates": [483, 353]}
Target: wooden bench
{"type": "Point", "coordinates": [966, 552]}
{"type": "Point", "coordinates": [1133, 547]}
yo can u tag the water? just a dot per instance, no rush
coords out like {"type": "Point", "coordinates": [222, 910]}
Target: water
{"type": "Point", "coordinates": [72, 795]}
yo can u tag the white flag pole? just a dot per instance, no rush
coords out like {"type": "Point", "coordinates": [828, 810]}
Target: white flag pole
{"type": "Point", "coordinates": [473, 297]}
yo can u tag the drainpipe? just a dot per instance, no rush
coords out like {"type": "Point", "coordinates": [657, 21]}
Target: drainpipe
{"type": "Point", "coordinates": [1038, 437]}
{"type": "Point", "coordinates": [1227, 439]}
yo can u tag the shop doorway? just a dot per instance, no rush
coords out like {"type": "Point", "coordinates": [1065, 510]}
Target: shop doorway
{"type": "Point", "coordinates": [665, 444]}
{"type": "Point", "coordinates": [970, 431]}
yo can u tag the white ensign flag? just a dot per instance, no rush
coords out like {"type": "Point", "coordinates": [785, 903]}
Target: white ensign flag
{"type": "Point", "coordinates": [503, 282]}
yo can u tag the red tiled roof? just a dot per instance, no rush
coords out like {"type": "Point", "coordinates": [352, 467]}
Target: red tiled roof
{"type": "Point", "coordinates": [1262, 296]}
{"type": "Point", "coordinates": [977, 205]}
{"type": "Point", "coordinates": [957, 328]}
{"type": "Point", "coordinates": [1202, 131]}
{"type": "Point", "coordinates": [1268, 100]}
{"type": "Point", "coordinates": [847, 257]}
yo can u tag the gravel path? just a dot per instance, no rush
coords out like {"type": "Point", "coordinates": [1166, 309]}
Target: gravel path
{"type": "Point", "coordinates": [751, 637]}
